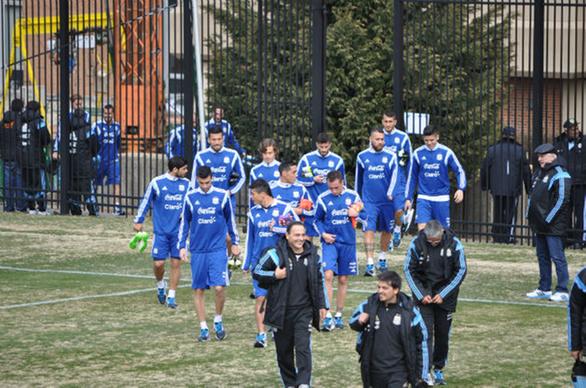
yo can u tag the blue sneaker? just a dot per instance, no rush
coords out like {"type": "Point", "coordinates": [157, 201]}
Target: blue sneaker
{"type": "Point", "coordinates": [171, 303]}
{"type": "Point", "coordinates": [396, 239]}
{"type": "Point", "coordinates": [329, 324]}
{"type": "Point", "coordinates": [204, 335]}
{"type": "Point", "coordinates": [161, 296]}
{"type": "Point", "coordinates": [369, 270]}
{"type": "Point", "coordinates": [339, 322]}
{"type": "Point", "coordinates": [219, 329]}
{"type": "Point", "coordinates": [439, 377]}
{"type": "Point", "coordinates": [261, 340]}
{"type": "Point", "coordinates": [382, 265]}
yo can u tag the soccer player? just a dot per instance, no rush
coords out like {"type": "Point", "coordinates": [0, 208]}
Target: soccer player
{"type": "Point", "coordinates": [430, 176]}
{"type": "Point", "coordinates": [207, 217]}
{"type": "Point", "coordinates": [229, 136]}
{"type": "Point", "coordinates": [108, 133]}
{"type": "Point", "coordinates": [335, 209]}
{"type": "Point", "coordinates": [268, 169]}
{"type": "Point", "coordinates": [399, 144]}
{"type": "Point", "coordinates": [286, 189]}
{"type": "Point", "coordinates": [165, 194]}
{"type": "Point", "coordinates": [376, 177]}
{"type": "Point", "coordinates": [174, 146]}
{"type": "Point", "coordinates": [267, 221]}
{"type": "Point", "coordinates": [225, 163]}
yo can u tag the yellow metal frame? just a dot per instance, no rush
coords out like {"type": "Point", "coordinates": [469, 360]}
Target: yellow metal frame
{"type": "Point", "coordinates": [48, 25]}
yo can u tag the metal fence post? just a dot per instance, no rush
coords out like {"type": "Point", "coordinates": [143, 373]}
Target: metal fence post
{"type": "Point", "coordinates": [398, 61]}
{"type": "Point", "coordinates": [64, 53]}
{"type": "Point", "coordinates": [188, 84]}
{"type": "Point", "coordinates": [318, 66]}
{"type": "Point", "coordinates": [537, 84]}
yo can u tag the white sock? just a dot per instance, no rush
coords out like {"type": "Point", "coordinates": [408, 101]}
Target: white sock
{"type": "Point", "coordinates": [397, 229]}
{"type": "Point", "coordinates": [262, 333]}
{"type": "Point", "coordinates": [161, 284]}
{"type": "Point", "coordinates": [203, 325]}
{"type": "Point", "coordinates": [338, 314]}
{"type": "Point", "coordinates": [382, 256]}
{"type": "Point", "coordinates": [171, 294]}
{"type": "Point", "coordinates": [217, 318]}
{"type": "Point", "coordinates": [328, 314]}
{"type": "Point", "coordinates": [369, 260]}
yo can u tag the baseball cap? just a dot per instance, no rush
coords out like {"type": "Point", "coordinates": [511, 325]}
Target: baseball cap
{"type": "Point", "coordinates": [545, 149]}
{"type": "Point", "coordinates": [571, 122]}
{"type": "Point", "coordinates": [509, 131]}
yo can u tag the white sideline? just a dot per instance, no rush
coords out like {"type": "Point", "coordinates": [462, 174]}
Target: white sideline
{"type": "Point", "coordinates": [73, 272]}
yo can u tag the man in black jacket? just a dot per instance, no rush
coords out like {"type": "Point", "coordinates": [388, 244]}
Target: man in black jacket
{"type": "Point", "coordinates": [435, 267]}
{"type": "Point", "coordinates": [292, 273]}
{"type": "Point", "coordinates": [571, 150]}
{"type": "Point", "coordinates": [549, 215]}
{"type": "Point", "coordinates": [33, 138]}
{"type": "Point", "coordinates": [10, 127]}
{"type": "Point", "coordinates": [577, 328]}
{"type": "Point", "coordinates": [503, 172]}
{"type": "Point", "coordinates": [393, 337]}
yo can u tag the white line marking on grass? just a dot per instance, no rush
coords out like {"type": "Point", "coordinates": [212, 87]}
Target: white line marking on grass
{"type": "Point", "coordinates": [355, 291]}
{"type": "Point", "coordinates": [78, 298]}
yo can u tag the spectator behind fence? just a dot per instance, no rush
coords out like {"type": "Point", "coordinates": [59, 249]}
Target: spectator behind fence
{"type": "Point", "coordinates": [503, 172]}
{"type": "Point", "coordinates": [571, 149]}
{"type": "Point", "coordinates": [34, 137]}
{"type": "Point", "coordinates": [175, 142]}
{"type": "Point", "coordinates": [549, 216]}
{"type": "Point", "coordinates": [10, 128]}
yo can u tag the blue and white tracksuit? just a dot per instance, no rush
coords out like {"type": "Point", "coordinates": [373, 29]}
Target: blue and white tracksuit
{"type": "Point", "coordinates": [165, 194]}
{"type": "Point", "coordinates": [229, 136]}
{"type": "Point", "coordinates": [267, 171]}
{"type": "Point", "coordinates": [264, 230]}
{"type": "Point", "coordinates": [224, 163]}
{"type": "Point", "coordinates": [331, 216]}
{"type": "Point", "coordinates": [109, 140]}
{"type": "Point", "coordinates": [206, 219]}
{"type": "Point", "coordinates": [376, 178]}
{"type": "Point", "coordinates": [293, 194]}
{"type": "Point", "coordinates": [430, 176]}
{"type": "Point", "coordinates": [313, 164]}
{"type": "Point", "coordinates": [398, 143]}
{"type": "Point", "coordinates": [175, 147]}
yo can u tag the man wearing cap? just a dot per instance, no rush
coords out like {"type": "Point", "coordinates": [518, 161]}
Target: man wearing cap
{"type": "Point", "coordinates": [571, 150]}
{"type": "Point", "coordinates": [549, 216]}
{"type": "Point", "coordinates": [503, 172]}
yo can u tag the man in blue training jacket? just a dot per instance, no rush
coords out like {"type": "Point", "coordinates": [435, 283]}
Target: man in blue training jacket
{"type": "Point", "coordinates": [207, 217]}
{"type": "Point", "coordinates": [165, 194]}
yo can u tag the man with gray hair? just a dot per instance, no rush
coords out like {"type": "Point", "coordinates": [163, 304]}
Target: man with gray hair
{"type": "Point", "coordinates": [435, 267]}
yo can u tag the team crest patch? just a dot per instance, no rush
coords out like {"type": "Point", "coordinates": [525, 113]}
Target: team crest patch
{"type": "Point", "coordinates": [385, 160]}
{"type": "Point", "coordinates": [330, 164]}
{"type": "Point", "coordinates": [226, 160]}
{"type": "Point", "coordinates": [348, 201]}
{"type": "Point", "coordinates": [215, 200]}
{"type": "Point", "coordinates": [439, 157]}
{"type": "Point", "coordinates": [545, 179]}
{"type": "Point", "coordinates": [275, 213]}
{"type": "Point", "coordinates": [181, 187]}
{"type": "Point", "coordinates": [276, 174]}
{"type": "Point", "coordinates": [296, 194]}
{"type": "Point", "coordinates": [397, 319]}
{"type": "Point", "coordinates": [397, 140]}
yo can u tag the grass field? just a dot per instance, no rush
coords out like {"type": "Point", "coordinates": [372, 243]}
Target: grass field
{"type": "Point", "coordinates": [79, 308]}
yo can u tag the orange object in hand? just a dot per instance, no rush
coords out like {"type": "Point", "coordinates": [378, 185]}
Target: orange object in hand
{"type": "Point", "coordinates": [305, 204]}
{"type": "Point", "coordinates": [358, 206]}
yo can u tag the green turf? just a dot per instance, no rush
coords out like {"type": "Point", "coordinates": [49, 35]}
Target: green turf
{"type": "Point", "coordinates": [132, 340]}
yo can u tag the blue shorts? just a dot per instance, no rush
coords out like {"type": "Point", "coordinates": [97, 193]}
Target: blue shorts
{"type": "Point", "coordinates": [431, 210]}
{"type": "Point", "coordinates": [380, 217]}
{"type": "Point", "coordinates": [209, 269]}
{"type": "Point", "coordinates": [257, 290]}
{"type": "Point", "coordinates": [109, 169]}
{"type": "Point", "coordinates": [399, 197]}
{"type": "Point", "coordinates": [340, 258]}
{"type": "Point", "coordinates": [165, 246]}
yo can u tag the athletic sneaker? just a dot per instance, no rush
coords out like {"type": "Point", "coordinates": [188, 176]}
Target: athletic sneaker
{"type": "Point", "coordinates": [118, 211]}
{"type": "Point", "coordinates": [391, 246]}
{"type": "Point", "coordinates": [329, 324]}
{"type": "Point", "coordinates": [396, 239]}
{"type": "Point", "coordinates": [439, 377]}
{"type": "Point", "coordinates": [538, 294]}
{"type": "Point", "coordinates": [559, 297]}
{"type": "Point", "coordinates": [204, 335]}
{"type": "Point", "coordinates": [369, 270]}
{"type": "Point", "coordinates": [171, 303]}
{"type": "Point", "coordinates": [382, 265]}
{"type": "Point", "coordinates": [261, 340]}
{"type": "Point", "coordinates": [339, 322]}
{"type": "Point", "coordinates": [161, 295]}
{"type": "Point", "coordinates": [219, 329]}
